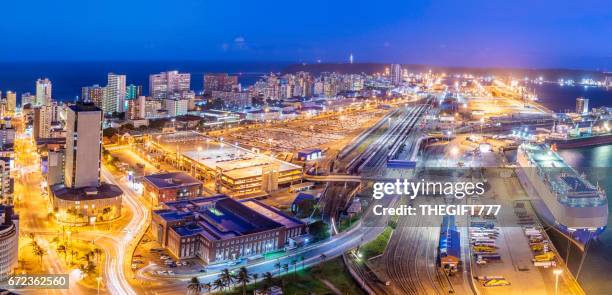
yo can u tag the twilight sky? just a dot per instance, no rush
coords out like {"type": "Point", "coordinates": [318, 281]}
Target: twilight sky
{"type": "Point", "coordinates": [534, 33]}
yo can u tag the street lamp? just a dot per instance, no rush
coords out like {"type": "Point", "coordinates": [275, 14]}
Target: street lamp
{"type": "Point", "coordinates": [557, 273]}
{"type": "Point", "coordinates": [98, 279]}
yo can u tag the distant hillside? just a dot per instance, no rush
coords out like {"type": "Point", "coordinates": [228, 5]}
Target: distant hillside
{"type": "Point", "coordinates": [370, 68]}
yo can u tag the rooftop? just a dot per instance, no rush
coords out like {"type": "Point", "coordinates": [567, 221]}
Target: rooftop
{"type": "Point", "coordinates": [221, 217]}
{"type": "Point", "coordinates": [171, 179]}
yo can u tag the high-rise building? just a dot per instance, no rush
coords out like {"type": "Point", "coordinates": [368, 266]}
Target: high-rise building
{"type": "Point", "coordinates": [43, 92]}
{"type": "Point", "coordinates": [82, 198]}
{"type": "Point", "coordinates": [133, 91]}
{"type": "Point", "coordinates": [396, 74]}
{"type": "Point", "coordinates": [83, 126]}
{"type": "Point", "coordinates": [6, 181]}
{"type": "Point", "coordinates": [11, 102]}
{"type": "Point", "coordinates": [166, 84]}
{"type": "Point", "coordinates": [176, 107]}
{"type": "Point", "coordinates": [93, 94]}
{"type": "Point", "coordinates": [44, 116]}
{"type": "Point", "coordinates": [27, 98]}
{"type": "Point", "coordinates": [582, 105]}
{"type": "Point", "coordinates": [219, 82]}
{"type": "Point", "coordinates": [136, 108]}
{"type": "Point", "coordinates": [114, 94]}
{"type": "Point", "coordinates": [9, 241]}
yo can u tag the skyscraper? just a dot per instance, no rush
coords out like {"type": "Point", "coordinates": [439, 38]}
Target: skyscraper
{"type": "Point", "coordinates": [114, 94]}
{"type": "Point", "coordinates": [27, 98]}
{"type": "Point", "coordinates": [83, 126]}
{"type": "Point", "coordinates": [82, 198]}
{"type": "Point", "coordinates": [43, 92]}
{"type": "Point", "coordinates": [167, 84]}
{"type": "Point", "coordinates": [93, 94]}
{"type": "Point", "coordinates": [582, 105]}
{"type": "Point", "coordinates": [133, 91]}
{"type": "Point", "coordinates": [44, 115]}
{"type": "Point", "coordinates": [219, 82]}
{"type": "Point", "coordinates": [11, 101]}
{"type": "Point", "coordinates": [396, 74]}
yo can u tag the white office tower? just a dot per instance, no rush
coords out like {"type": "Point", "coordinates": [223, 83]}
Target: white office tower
{"type": "Point", "coordinates": [114, 94]}
{"type": "Point", "coordinates": [83, 146]}
{"type": "Point", "coordinates": [43, 92]}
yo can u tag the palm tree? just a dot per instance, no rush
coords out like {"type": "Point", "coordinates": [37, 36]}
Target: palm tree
{"type": "Point", "coordinates": [219, 284]}
{"type": "Point", "coordinates": [323, 256]}
{"type": "Point", "coordinates": [294, 264]}
{"type": "Point", "coordinates": [243, 278]}
{"type": "Point", "coordinates": [194, 286]}
{"type": "Point", "coordinates": [40, 252]}
{"type": "Point", "coordinates": [62, 249]}
{"type": "Point", "coordinates": [98, 253]}
{"type": "Point", "coordinates": [255, 276]}
{"type": "Point", "coordinates": [268, 279]}
{"type": "Point", "coordinates": [207, 287]}
{"type": "Point", "coordinates": [227, 277]}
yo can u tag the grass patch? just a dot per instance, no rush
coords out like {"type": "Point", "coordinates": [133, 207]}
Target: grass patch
{"type": "Point", "coordinates": [308, 281]}
{"type": "Point", "coordinates": [377, 246]}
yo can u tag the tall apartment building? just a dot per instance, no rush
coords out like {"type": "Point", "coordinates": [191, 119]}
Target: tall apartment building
{"type": "Point", "coordinates": [133, 91]}
{"type": "Point", "coordinates": [176, 107]}
{"type": "Point", "coordinates": [219, 82]}
{"type": "Point", "coordinates": [93, 94]}
{"type": "Point", "coordinates": [582, 105]}
{"type": "Point", "coordinates": [114, 94]}
{"type": "Point", "coordinates": [43, 92]}
{"type": "Point", "coordinates": [166, 84]}
{"type": "Point", "coordinates": [11, 102]}
{"type": "Point", "coordinates": [136, 108]}
{"type": "Point", "coordinates": [6, 181]}
{"type": "Point", "coordinates": [233, 99]}
{"type": "Point", "coordinates": [27, 98]}
{"type": "Point", "coordinates": [396, 74]}
{"type": "Point", "coordinates": [44, 116]}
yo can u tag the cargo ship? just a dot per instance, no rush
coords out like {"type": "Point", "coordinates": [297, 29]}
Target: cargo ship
{"type": "Point", "coordinates": [563, 199]}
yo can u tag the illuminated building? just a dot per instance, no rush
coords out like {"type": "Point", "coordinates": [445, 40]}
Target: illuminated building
{"type": "Point", "coordinates": [233, 99]}
{"type": "Point", "coordinates": [396, 74]}
{"type": "Point", "coordinates": [169, 187]}
{"type": "Point", "coordinates": [43, 92]}
{"type": "Point", "coordinates": [93, 94]}
{"type": "Point", "coordinates": [11, 102]}
{"type": "Point", "coordinates": [6, 181]}
{"type": "Point", "coordinates": [219, 228]}
{"type": "Point", "coordinates": [114, 94]}
{"type": "Point", "coordinates": [27, 98]}
{"type": "Point", "coordinates": [582, 105]}
{"type": "Point", "coordinates": [166, 84]}
{"type": "Point", "coordinates": [44, 116]}
{"type": "Point", "coordinates": [219, 82]}
{"type": "Point", "coordinates": [9, 241]}
{"type": "Point", "coordinates": [82, 198]}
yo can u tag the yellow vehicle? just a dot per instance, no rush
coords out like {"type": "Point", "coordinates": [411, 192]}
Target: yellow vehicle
{"type": "Point", "coordinates": [548, 256]}
{"type": "Point", "coordinates": [484, 249]}
{"type": "Point", "coordinates": [496, 283]}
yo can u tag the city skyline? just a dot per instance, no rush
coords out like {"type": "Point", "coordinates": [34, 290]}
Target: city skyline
{"type": "Point", "coordinates": [480, 34]}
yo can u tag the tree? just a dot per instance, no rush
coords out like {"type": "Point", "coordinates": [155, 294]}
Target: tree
{"type": "Point", "coordinates": [268, 279]}
{"type": "Point", "coordinates": [302, 260]}
{"type": "Point", "coordinates": [255, 276]}
{"type": "Point", "coordinates": [62, 249]}
{"type": "Point", "coordinates": [294, 264]}
{"type": "Point", "coordinates": [194, 286]}
{"type": "Point", "coordinates": [319, 230]}
{"type": "Point", "coordinates": [227, 277]}
{"type": "Point", "coordinates": [207, 287]}
{"type": "Point", "coordinates": [40, 252]}
{"type": "Point", "coordinates": [109, 132]}
{"type": "Point", "coordinates": [243, 278]}
{"type": "Point", "coordinates": [323, 256]}
{"type": "Point", "coordinates": [278, 265]}
{"type": "Point", "coordinates": [219, 284]}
